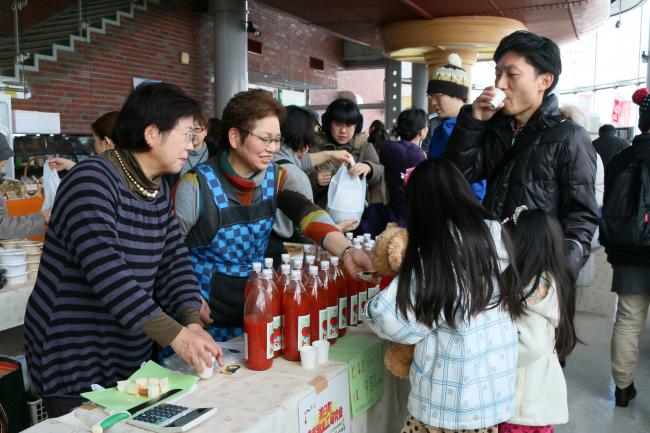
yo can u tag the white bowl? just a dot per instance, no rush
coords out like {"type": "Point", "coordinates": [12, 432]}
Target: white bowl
{"type": "Point", "coordinates": [17, 279]}
{"type": "Point", "coordinates": [30, 247]}
{"type": "Point", "coordinates": [12, 257]}
{"type": "Point", "coordinates": [11, 243]}
{"type": "Point", "coordinates": [17, 269]}
{"type": "Point", "coordinates": [33, 266]}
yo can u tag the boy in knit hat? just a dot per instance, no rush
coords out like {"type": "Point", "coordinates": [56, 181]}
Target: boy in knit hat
{"type": "Point", "coordinates": [448, 91]}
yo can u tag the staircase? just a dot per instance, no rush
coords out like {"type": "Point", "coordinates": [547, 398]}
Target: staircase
{"type": "Point", "coordinates": [60, 32]}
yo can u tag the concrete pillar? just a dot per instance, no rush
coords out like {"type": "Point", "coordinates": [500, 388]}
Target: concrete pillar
{"type": "Point", "coordinates": [419, 80]}
{"type": "Point", "coordinates": [230, 50]}
{"type": "Point", "coordinates": [393, 92]}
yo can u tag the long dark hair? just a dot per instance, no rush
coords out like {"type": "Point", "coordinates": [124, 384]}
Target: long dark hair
{"type": "Point", "coordinates": [344, 111]}
{"type": "Point", "coordinates": [539, 248]}
{"type": "Point", "coordinates": [450, 255]}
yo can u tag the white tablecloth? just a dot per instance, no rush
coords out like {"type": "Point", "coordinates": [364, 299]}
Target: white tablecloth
{"type": "Point", "coordinates": [13, 301]}
{"type": "Point", "coordinates": [266, 401]}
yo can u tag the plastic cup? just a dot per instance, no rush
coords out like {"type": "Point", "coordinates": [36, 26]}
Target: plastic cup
{"type": "Point", "coordinates": [498, 98]}
{"type": "Point", "coordinates": [207, 370]}
{"type": "Point", "coordinates": [308, 355]}
{"type": "Point", "coordinates": [323, 350]}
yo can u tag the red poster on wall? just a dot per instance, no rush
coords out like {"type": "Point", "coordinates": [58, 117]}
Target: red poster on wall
{"type": "Point", "coordinates": [621, 112]}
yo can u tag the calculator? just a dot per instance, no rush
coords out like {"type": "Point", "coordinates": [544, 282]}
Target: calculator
{"type": "Point", "coordinates": [171, 418]}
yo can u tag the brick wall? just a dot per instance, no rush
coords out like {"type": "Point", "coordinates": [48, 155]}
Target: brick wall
{"type": "Point", "coordinates": [35, 11]}
{"type": "Point", "coordinates": [97, 77]}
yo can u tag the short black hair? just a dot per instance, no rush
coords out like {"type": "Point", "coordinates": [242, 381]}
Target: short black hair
{"type": "Point", "coordinates": [540, 52]}
{"type": "Point", "coordinates": [410, 122]}
{"type": "Point", "coordinates": [160, 104]}
{"type": "Point", "coordinates": [298, 128]}
{"type": "Point", "coordinates": [342, 110]}
{"type": "Point", "coordinates": [606, 129]}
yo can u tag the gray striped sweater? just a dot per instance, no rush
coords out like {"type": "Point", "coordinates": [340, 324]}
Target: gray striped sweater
{"type": "Point", "coordinates": [111, 262]}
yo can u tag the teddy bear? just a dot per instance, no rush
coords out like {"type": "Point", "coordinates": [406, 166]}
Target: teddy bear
{"type": "Point", "coordinates": [387, 258]}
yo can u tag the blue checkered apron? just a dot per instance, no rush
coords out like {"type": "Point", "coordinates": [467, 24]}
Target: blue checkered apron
{"type": "Point", "coordinates": [235, 247]}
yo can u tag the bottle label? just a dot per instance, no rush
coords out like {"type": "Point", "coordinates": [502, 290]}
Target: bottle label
{"type": "Point", "coordinates": [269, 340]}
{"type": "Point", "coordinates": [372, 291]}
{"type": "Point", "coordinates": [277, 333]}
{"type": "Point", "coordinates": [323, 324]}
{"type": "Point", "coordinates": [343, 313]}
{"type": "Point", "coordinates": [281, 328]}
{"type": "Point", "coordinates": [354, 310]}
{"type": "Point", "coordinates": [333, 322]}
{"type": "Point", "coordinates": [303, 331]}
{"type": "Point", "coordinates": [363, 297]}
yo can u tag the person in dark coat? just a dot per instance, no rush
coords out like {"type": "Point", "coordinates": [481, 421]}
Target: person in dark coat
{"type": "Point", "coordinates": [398, 156]}
{"type": "Point", "coordinates": [631, 277]}
{"type": "Point", "coordinates": [608, 144]}
{"type": "Point", "coordinates": [527, 150]}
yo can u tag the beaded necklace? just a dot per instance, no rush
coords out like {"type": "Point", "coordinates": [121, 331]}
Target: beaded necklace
{"type": "Point", "coordinates": [140, 188]}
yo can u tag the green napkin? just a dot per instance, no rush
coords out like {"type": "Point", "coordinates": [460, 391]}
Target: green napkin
{"type": "Point", "coordinates": [112, 399]}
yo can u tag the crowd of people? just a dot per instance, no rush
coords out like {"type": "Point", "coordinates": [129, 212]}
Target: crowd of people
{"type": "Point", "coordinates": [154, 238]}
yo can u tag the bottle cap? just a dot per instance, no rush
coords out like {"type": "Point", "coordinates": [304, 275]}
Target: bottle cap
{"type": "Point", "coordinates": [257, 266]}
{"type": "Point", "coordinates": [325, 265]}
{"type": "Point", "coordinates": [268, 262]}
{"type": "Point", "coordinates": [295, 274]}
{"type": "Point", "coordinates": [285, 268]}
{"type": "Point", "coordinates": [334, 261]}
{"type": "Point", "coordinates": [267, 274]}
{"type": "Point", "coordinates": [313, 270]}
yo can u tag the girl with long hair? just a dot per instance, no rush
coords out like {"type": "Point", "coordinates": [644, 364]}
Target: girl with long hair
{"type": "Point", "coordinates": [452, 302]}
{"type": "Point", "coordinates": [545, 323]}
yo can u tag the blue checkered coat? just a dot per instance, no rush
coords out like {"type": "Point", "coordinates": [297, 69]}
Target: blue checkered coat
{"type": "Point", "coordinates": [461, 379]}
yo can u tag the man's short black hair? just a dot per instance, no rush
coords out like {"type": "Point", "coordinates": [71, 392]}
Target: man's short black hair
{"type": "Point", "coordinates": [606, 129]}
{"type": "Point", "coordinates": [540, 52]}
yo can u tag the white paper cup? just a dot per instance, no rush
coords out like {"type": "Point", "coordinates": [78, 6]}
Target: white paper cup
{"type": "Point", "coordinates": [498, 98]}
{"type": "Point", "coordinates": [308, 356]}
{"type": "Point", "coordinates": [323, 350]}
{"type": "Point", "coordinates": [207, 370]}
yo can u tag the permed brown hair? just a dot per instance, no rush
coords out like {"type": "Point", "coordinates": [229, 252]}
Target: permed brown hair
{"type": "Point", "coordinates": [104, 124]}
{"type": "Point", "coordinates": [246, 108]}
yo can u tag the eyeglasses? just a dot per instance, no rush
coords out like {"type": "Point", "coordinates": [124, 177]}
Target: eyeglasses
{"type": "Point", "coordinates": [189, 134]}
{"type": "Point", "coordinates": [198, 130]}
{"type": "Point", "coordinates": [432, 96]}
{"type": "Point", "coordinates": [266, 140]}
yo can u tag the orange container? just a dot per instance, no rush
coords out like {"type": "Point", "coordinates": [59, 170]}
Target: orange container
{"type": "Point", "coordinates": [25, 206]}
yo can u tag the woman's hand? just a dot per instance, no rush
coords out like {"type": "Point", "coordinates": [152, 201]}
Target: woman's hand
{"type": "Point", "coordinates": [347, 225]}
{"type": "Point", "coordinates": [193, 344]}
{"type": "Point", "coordinates": [357, 261]}
{"type": "Point", "coordinates": [360, 169]}
{"type": "Point", "coordinates": [205, 313]}
{"type": "Point", "coordinates": [323, 178]}
{"type": "Point", "coordinates": [60, 163]}
{"type": "Point", "coordinates": [340, 156]}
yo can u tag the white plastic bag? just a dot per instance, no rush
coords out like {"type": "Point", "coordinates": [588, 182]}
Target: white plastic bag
{"type": "Point", "coordinates": [346, 196]}
{"type": "Point", "coordinates": [51, 183]}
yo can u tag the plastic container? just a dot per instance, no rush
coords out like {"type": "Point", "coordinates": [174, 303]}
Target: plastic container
{"type": "Point", "coordinates": [12, 257]}
{"type": "Point", "coordinates": [17, 279]}
{"type": "Point", "coordinates": [258, 329]}
{"type": "Point", "coordinates": [33, 265]}
{"type": "Point", "coordinates": [308, 357]}
{"type": "Point", "coordinates": [14, 270]}
{"type": "Point", "coordinates": [36, 411]}
{"type": "Point", "coordinates": [276, 309]}
{"type": "Point", "coordinates": [323, 350]}
{"type": "Point", "coordinates": [317, 306]}
{"type": "Point", "coordinates": [296, 330]}
{"type": "Point", "coordinates": [332, 302]}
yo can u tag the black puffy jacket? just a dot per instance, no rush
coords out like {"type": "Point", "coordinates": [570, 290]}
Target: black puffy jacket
{"type": "Point", "coordinates": [623, 184]}
{"type": "Point", "coordinates": [550, 165]}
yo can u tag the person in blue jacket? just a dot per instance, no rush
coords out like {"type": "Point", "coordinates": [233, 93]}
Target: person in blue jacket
{"type": "Point", "coordinates": [448, 91]}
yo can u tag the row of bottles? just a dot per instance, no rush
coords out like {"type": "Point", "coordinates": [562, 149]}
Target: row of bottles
{"type": "Point", "coordinates": [302, 304]}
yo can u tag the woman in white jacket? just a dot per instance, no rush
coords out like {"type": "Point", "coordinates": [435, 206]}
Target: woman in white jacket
{"type": "Point", "coordinates": [545, 325]}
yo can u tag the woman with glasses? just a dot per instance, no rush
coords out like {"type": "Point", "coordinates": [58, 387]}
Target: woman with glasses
{"type": "Point", "coordinates": [226, 207]}
{"type": "Point", "coordinates": [115, 273]}
{"type": "Point", "coordinates": [198, 154]}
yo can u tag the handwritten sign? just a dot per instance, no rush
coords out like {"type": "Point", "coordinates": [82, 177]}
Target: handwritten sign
{"type": "Point", "coordinates": [326, 410]}
{"type": "Point", "coordinates": [363, 354]}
